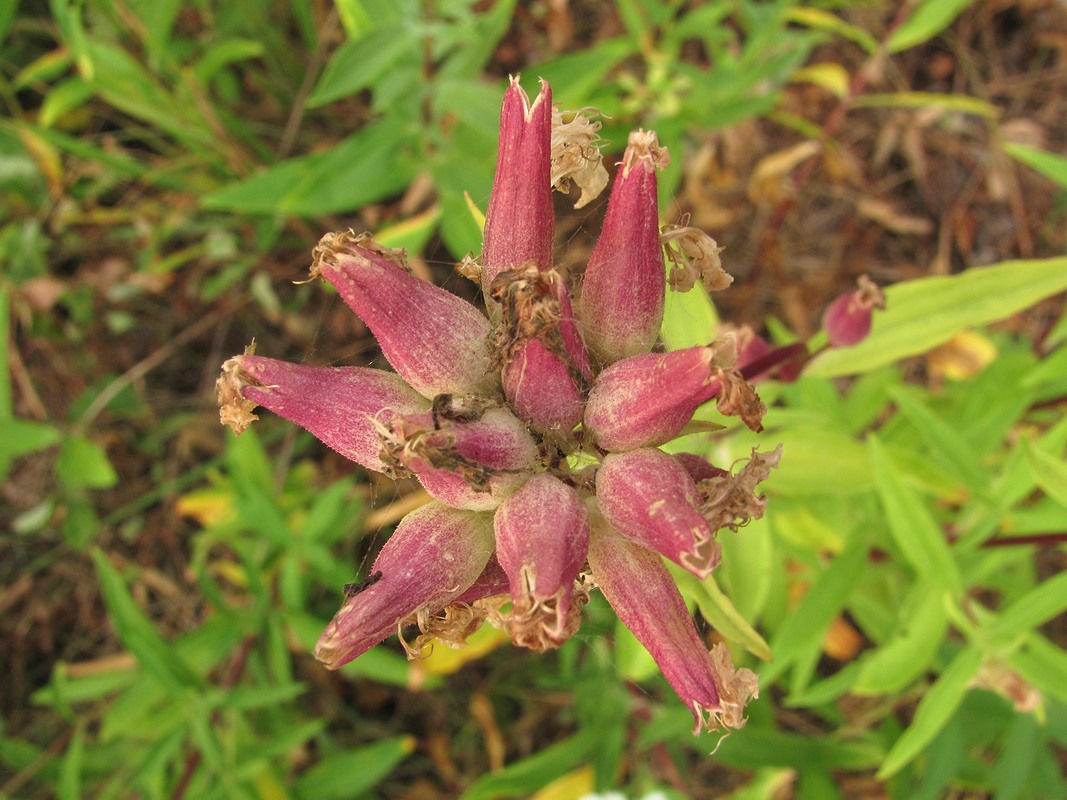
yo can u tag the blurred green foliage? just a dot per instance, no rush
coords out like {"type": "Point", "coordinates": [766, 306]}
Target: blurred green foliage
{"type": "Point", "coordinates": [132, 118]}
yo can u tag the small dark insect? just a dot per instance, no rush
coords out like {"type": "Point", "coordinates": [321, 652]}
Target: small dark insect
{"type": "Point", "coordinates": [352, 589]}
{"type": "Point", "coordinates": [461, 409]}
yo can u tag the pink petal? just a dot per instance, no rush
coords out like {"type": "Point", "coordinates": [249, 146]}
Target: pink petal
{"type": "Point", "coordinates": [433, 556]}
{"type": "Point", "coordinates": [436, 341]}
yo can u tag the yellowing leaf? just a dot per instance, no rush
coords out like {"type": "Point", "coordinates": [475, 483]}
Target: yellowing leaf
{"type": "Point", "coordinates": [832, 77]}
{"type": "Point", "coordinates": [444, 660]}
{"type": "Point", "coordinates": [207, 507]}
{"type": "Point", "coordinates": [770, 178]}
{"type": "Point", "coordinates": [962, 357]}
{"type": "Point", "coordinates": [568, 787]}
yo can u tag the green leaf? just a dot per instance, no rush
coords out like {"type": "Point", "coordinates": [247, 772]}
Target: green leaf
{"type": "Point", "coordinates": [934, 711]}
{"type": "Point", "coordinates": [1032, 610]}
{"type": "Point", "coordinates": [137, 633]}
{"type": "Point", "coordinates": [920, 539]}
{"type": "Point", "coordinates": [576, 76]}
{"type": "Point", "coordinates": [83, 463]}
{"type": "Point", "coordinates": [350, 773]}
{"type": "Point", "coordinates": [719, 610]}
{"type": "Point", "coordinates": [5, 380]}
{"type": "Point", "coordinates": [690, 319]}
{"type": "Point", "coordinates": [356, 65]}
{"type": "Point", "coordinates": [70, 770]}
{"type": "Point", "coordinates": [822, 20]}
{"type": "Point", "coordinates": [805, 627]}
{"type": "Point", "coordinates": [907, 654]}
{"type": "Point", "coordinates": [928, 20]}
{"type": "Point", "coordinates": [1049, 472]}
{"type": "Point", "coordinates": [522, 778]}
{"type": "Point", "coordinates": [7, 15]}
{"type": "Point", "coordinates": [64, 97]}
{"type": "Point", "coordinates": [944, 438]}
{"type": "Point", "coordinates": [753, 748]}
{"type": "Point", "coordinates": [1042, 664]}
{"type": "Point", "coordinates": [359, 170]}
{"type": "Point", "coordinates": [820, 460]}
{"type": "Point", "coordinates": [958, 103]}
{"type": "Point", "coordinates": [124, 83]}
{"type": "Point", "coordinates": [225, 52]}
{"type": "Point", "coordinates": [926, 312]}
{"type": "Point", "coordinates": [1052, 165]}
{"type": "Point", "coordinates": [20, 437]}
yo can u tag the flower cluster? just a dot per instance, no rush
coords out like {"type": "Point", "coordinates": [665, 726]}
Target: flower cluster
{"type": "Point", "coordinates": [536, 426]}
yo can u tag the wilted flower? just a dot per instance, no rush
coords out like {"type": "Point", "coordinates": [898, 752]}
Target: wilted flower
{"type": "Point", "coordinates": [535, 427]}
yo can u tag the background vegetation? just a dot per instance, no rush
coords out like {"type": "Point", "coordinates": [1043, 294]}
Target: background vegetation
{"type": "Point", "coordinates": [166, 168]}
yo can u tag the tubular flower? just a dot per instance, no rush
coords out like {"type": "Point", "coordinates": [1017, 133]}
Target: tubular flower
{"type": "Point", "coordinates": [534, 425]}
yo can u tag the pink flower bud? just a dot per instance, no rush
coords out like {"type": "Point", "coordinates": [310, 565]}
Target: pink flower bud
{"type": "Point", "coordinates": [538, 385]}
{"type": "Point", "coordinates": [337, 405]}
{"type": "Point", "coordinates": [541, 541]}
{"type": "Point", "coordinates": [540, 382]}
{"type": "Point", "coordinates": [464, 454]}
{"type": "Point", "coordinates": [649, 497]}
{"type": "Point", "coordinates": [623, 289]}
{"type": "Point", "coordinates": [647, 400]}
{"type": "Point", "coordinates": [644, 595]}
{"type": "Point", "coordinates": [699, 468]}
{"type": "Point", "coordinates": [520, 221]}
{"type": "Point", "coordinates": [437, 341]}
{"type": "Point", "coordinates": [433, 556]}
{"type": "Point", "coordinates": [847, 319]}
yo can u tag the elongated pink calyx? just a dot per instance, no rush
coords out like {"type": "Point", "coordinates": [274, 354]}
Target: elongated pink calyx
{"type": "Point", "coordinates": [623, 289]}
{"type": "Point", "coordinates": [643, 594]}
{"type": "Point", "coordinates": [649, 497]}
{"type": "Point", "coordinates": [435, 553]}
{"type": "Point", "coordinates": [541, 541]}
{"type": "Point", "coordinates": [847, 319]}
{"type": "Point", "coordinates": [540, 381]}
{"type": "Point", "coordinates": [465, 454]}
{"type": "Point", "coordinates": [648, 399]}
{"type": "Point", "coordinates": [339, 405]}
{"type": "Point", "coordinates": [436, 341]}
{"type": "Point", "coordinates": [520, 221]}
{"type": "Point", "coordinates": [571, 330]}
